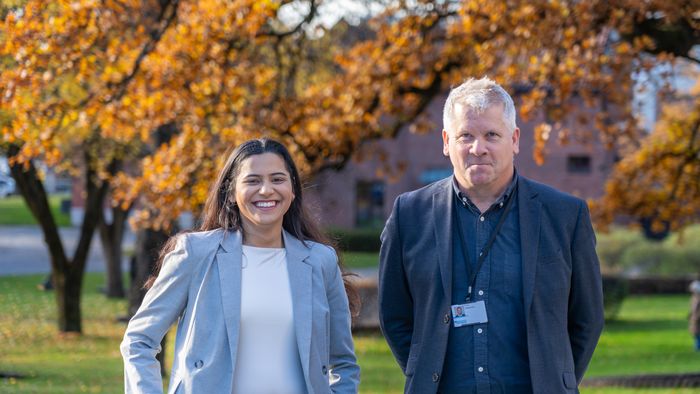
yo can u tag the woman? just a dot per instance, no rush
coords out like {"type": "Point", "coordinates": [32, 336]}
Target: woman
{"type": "Point", "coordinates": [260, 299]}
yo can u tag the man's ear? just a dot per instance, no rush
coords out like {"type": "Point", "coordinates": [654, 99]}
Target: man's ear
{"type": "Point", "coordinates": [445, 143]}
{"type": "Point", "coordinates": [516, 141]}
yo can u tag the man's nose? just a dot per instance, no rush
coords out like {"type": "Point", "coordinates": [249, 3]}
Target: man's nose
{"type": "Point", "coordinates": [478, 147]}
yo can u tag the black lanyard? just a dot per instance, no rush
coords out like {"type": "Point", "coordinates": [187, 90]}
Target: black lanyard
{"type": "Point", "coordinates": [485, 251]}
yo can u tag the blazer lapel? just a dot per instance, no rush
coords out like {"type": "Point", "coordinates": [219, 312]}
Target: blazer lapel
{"type": "Point", "coordinates": [443, 211]}
{"type": "Point", "coordinates": [228, 258]}
{"type": "Point", "coordinates": [300, 281]}
{"type": "Point", "coordinates": [529, 210]}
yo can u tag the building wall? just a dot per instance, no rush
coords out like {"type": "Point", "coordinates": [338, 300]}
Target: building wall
{"type": "Point", "coordinates": [417, 159]}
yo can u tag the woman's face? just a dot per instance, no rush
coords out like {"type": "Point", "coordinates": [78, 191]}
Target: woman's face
{"type": "Point", "coordinates": [264, 192]}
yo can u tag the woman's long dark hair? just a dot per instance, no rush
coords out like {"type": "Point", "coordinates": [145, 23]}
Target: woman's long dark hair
{"type": "Point", "coordinates": [220, 210]}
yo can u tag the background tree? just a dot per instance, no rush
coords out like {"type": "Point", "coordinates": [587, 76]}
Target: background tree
{"type": "Point", "coordinates": [87, 83]}
{"type": "Point", "coordinates": [658, 182]}
{"type": "Point", "coordinates": [565, 60]}
{"type": "Point", "coordinates": [65, 66]}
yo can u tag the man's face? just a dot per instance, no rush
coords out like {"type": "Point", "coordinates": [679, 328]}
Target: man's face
{"type": "Point", "coordinates": [481, 148]}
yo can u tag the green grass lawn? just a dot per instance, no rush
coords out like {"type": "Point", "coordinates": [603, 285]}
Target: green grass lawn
{"type": "Point", "coordinates": [360, 259]}
{"type": "Point", "coordinates": [650, 337]}
{"type": "Point", "coordinates": [13, 211]}
{"type": "Point", "coordinates": [30, 345]}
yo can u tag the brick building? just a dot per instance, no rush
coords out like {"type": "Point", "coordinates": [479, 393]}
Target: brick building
{"type": "Point", "coordinates": [361, 195]}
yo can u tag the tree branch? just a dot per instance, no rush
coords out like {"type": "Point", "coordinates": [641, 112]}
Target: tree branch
{"type": "Point", "coordinates": [308, 18]}
{"type": "Point", "coordinates": [165, 18]}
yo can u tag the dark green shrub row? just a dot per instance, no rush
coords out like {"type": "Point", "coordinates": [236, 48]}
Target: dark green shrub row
{"type": "Point", "coordinates": [627, 251]}
{"type": "Point", "coordinates": [357, 240]}
{"type": "Point", "coordinates": [615, 290]}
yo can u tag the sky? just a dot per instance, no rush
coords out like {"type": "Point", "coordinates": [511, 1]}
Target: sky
{"type": "Point", "coordinates": [683, 80]}
{"type": "Point", "coordinates": [330, 11]}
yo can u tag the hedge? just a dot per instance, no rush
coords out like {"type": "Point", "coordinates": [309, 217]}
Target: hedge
{"type": "Point", "coordinates": [357, 240]}
{"type": "Point", "coordinates": [615, 290]}
{"type": "Point", "coordinates": [627, 251]}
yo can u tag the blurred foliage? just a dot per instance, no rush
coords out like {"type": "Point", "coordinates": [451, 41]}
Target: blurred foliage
{"type": "Point", "coordinates": [145, 97]}
{"type": "Point", "coordinates": [81, 75]}
{"type": "Point", "coordinates": [357, 240]}
{"type": "Point", "coordinates": [657, 179]}
{"type": "Point", "coordinates": [615, 289]}
{"type": "Point", "coordinates": [627, 251]}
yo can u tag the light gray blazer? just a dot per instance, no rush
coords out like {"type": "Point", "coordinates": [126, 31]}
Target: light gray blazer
{"type": "Point", "coordinates": [200, 284]}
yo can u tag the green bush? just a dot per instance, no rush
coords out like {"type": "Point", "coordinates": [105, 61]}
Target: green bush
{"type": "Point", "coordinates": [662, 259]}
{"type": "Point", "coordinates": [615, 289]}
{"type": "Point", "coordinates": [624, 250]}
{"type": "Point", "coordinates": [611, 246]}
{"type": "Point", "coordinates": [644, 256]}
{"type": "Point", "coordinates": [357, 240]}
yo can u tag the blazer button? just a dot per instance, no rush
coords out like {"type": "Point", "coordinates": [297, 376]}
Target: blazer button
{"type": "Point", "coordinates": [436, 377]}
{"type": "Point", "coordinates": [198, 364]}
{"type": "Point", "coordinates": [324, 370]}
{"type": "Point", "coordinates": [446, 319]}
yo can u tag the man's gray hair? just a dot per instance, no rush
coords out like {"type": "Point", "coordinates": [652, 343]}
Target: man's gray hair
{"type": "Point", "coordinates": [478, 95]}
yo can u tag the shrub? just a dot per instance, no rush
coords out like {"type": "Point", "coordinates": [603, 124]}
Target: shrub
{"type": "Point", "coordinates": [627, 251]}
{"type": "Point", "coordinates": [615, 289]}
{"type": "Point", "coordinates": [644, 257]}
{"type": "Point", "coordinates": [357, 240]}
{"type": "Point", "coordinates": [667, 258]}
{"type": "Point", "coordinates": [611, 246]}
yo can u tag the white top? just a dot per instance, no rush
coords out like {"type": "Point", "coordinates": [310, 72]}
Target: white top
{"type": "Point", "coordinates": [268, 357]}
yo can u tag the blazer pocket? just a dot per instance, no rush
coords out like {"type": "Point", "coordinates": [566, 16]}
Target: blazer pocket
{"type": "Point", "coordinates": [551, 258]}
{"type": "Point", "coordinates": [569, 380]}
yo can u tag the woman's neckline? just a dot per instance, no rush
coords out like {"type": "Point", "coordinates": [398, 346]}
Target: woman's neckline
{"type": "Point", "coordinates": [270, 248]}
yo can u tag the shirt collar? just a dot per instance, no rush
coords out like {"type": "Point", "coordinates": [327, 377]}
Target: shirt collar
{"type": "Point", "coordinates": [500, 201]}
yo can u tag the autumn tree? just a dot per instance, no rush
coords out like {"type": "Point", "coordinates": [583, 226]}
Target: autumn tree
{"type": "Point", "coordinates": [87, 83]}
{"type": "Point", "coordinates": [66, 65]}
{"type": "Point", "coordinates": [565, 60]}
{"type": "Point", "coordinates": [658, 181]}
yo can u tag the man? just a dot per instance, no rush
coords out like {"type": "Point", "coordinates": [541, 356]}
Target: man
{"type": "Point", "coordinates": [518, 257]}
{"type": "Point", "coordinates": [459, 312]}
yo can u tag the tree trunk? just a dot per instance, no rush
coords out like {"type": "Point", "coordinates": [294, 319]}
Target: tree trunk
{"type": "Point", "coordinates": [67, 275]}
{"type": "Point", "coordinates": [146, 250]}
{"type": "Point", "coordinates": [68, 287]}
{"type": "Point", "coordinates": [112, 236]}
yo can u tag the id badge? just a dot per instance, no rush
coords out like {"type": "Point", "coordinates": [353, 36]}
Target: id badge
{"type": "Point", "coordinates": [468, 314]}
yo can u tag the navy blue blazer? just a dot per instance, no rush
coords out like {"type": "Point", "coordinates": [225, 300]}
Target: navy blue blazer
{"type": "Point", "coordinates": [562, 286]}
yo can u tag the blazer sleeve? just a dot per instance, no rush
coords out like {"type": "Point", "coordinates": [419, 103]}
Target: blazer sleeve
{"type": "Point", "coordinates": [395, 300]}
{"type": "Point", "coordinates": [344, 372]}
{"type": "Point", "coordinates": [161, 306]}
{"type": "Point", "coordinates": [586, 317]}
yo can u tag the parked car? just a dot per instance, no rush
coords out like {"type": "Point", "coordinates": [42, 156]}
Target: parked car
{"type": "Point", "coordinates": [7, 186]}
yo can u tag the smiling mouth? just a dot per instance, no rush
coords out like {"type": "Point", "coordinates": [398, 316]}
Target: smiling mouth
{"type": "Point", "coordinates": [265, 204]}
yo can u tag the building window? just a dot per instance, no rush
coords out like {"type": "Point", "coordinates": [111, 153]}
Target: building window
{"type": "Point", "coordinates": [578, 164]}
{"type": "Point", "coordinates": [435, 174]}
{"type": "Point", "coordinates": [369, 203]}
